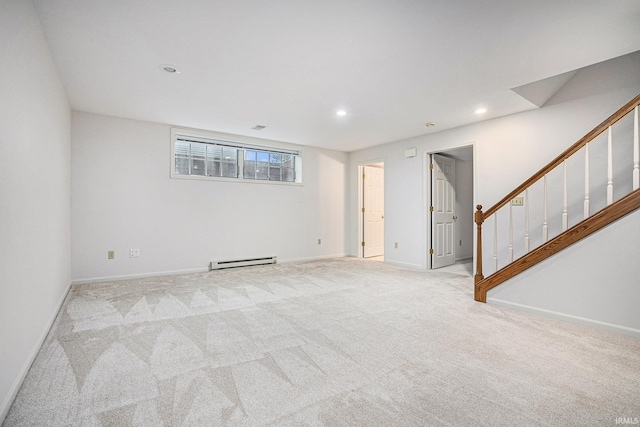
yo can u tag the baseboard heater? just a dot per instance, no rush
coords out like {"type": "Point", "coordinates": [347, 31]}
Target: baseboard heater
{"type": "Point", "coordinates": [218, 265]}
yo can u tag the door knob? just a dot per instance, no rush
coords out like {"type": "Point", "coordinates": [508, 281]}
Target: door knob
{"type": "Point", "coordinates": [382, 217]}
{"type": "Point", "coordinates": [455, 217]}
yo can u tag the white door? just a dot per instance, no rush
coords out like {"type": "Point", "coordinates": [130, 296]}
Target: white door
{"type": "Point", "coordinates": [373, 215]}
{"type": "Point", "coordinates": [443, 203]}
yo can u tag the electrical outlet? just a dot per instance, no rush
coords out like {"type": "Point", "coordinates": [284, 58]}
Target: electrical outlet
{"type": "Point", "coordinates": [111, 255]}
{"type": "Point", "coordinates": [319, 241]}
{"type": "Point", "coordinates": [517, 201]}
{"type": "Point", "coordinates": [396, 245]}
{"type": "Point", "coordinates": [134, 253]}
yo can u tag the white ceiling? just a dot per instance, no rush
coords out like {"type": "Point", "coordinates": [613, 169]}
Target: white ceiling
{"type": "Point", "coordinates": [291, 64]}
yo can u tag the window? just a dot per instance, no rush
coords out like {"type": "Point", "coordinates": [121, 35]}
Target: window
{"type": "Point", "coordinates": [202, 158]}
{"type": "Point", "coordinates": [196, 158]}
{"type": "Point", "coordinates": [270, 166]}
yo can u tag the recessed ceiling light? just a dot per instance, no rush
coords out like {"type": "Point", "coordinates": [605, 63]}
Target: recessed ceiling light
{"type": "Point", "coordinates": [169, 68]}
{"type": "Point", "coordinates": [430, 124]}
{"type": "Point", "coordinates": [480, 111]}
{"type": "Point", "coordinates": [341, 113]}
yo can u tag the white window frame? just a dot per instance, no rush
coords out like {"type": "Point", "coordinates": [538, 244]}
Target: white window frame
{"type": "Point", "coordinates": [242, 143]}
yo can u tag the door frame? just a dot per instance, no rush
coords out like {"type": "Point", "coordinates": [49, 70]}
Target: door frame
{"type": "Point", "coordinates": [360, 204]}
{"type": "Point", "coordinates": [426, 195]}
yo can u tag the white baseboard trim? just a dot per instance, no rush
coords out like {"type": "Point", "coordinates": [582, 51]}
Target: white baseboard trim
{"type": "Point", "coordinates": [463, 260]}
{"type": "Point", "coordinates": [136, 276]}
{"type": "Point", "coordinates": [610, 327]}
{"type": "Point", "coordinates": [404, 264]}
{"type": "Point", "coordinates": [13, 391]}
{"type": "Point", "coordinates": [187, 271]}
{"type": "Point", "coordinates": [314, 258]}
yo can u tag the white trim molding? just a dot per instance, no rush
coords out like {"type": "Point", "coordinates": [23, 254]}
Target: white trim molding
{"type": "Point", "coordinates": [610, 327]}
{"type": "Point", "coordinates": [13, 391]}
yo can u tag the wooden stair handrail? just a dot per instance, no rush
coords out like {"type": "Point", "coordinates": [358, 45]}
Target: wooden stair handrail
{"type": "Point", "coordinates": [602, 218]}
{"type": "Point", "coordinates": [627, 108]}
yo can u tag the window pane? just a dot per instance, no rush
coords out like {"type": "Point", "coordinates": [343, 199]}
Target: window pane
{"type": "Point", "coordinates": [249, 169]}
{"type": "Point", "coordinates": [213, 168]}
{"type": "Point", "coordinates": [250, 155]}
{"type": "Point", "coordinates": [288, 175]}
{"type": "Point", "coordinates": [261, 172]}
{"type": "Point", "coordinates": [263, 157]}
{"type": "Point", "coordinates": [229, 170]}
{"type": "Point", "coordinates": [214, 152]}
{"type": "Point", "coordinates": [275, 159]}
{"type": "Point", "coordinates": [262, 166]}
{"type": "Point", "coordinates": [183, 148]}
{"type": "Point", "coordinates": [198, 150]}
{"type": "Point", "coordinates": [275, 174]}
{"type": "Point", "coordinates": [287, 160]}
{"type": "Point", "coordinates": [229, 162]}
{"type": "Point", "coordinates": [230, 154]}
{"type": "Point", "coordinates": [197, 166]}
{"type": "Point", "coordinates": [182, 165]}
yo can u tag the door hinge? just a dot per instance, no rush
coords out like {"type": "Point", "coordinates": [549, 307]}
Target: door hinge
{"type": "Point", "coordinates": [362, 243]}
{"type": "Point", "coordinates": [362, 210]}
{"type": "Point", "coordinates": [362, 176]}
{"type": "Point", "coordinates": [430, 208]}
{"type": "Point", "coordinates": [430, 251]}
{"type": "Point", "coordinates": [431, 166]}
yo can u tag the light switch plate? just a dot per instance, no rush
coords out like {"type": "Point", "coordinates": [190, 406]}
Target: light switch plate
{"type": "Point", "coordinates": [517, 201]}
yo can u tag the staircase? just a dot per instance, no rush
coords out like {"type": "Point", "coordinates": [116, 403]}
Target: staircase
{"type": "Point", "coordinates": [516, 233]}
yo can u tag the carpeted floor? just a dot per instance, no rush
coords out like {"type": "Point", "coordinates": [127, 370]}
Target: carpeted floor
{"type": "Point", "coordinates": [341, 342]}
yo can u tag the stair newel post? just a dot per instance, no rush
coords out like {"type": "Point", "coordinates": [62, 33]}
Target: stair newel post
{"type": "Point", "coordinates": [478, 218]}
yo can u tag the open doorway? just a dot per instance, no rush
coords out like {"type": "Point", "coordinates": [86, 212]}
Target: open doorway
{"type": "Point", "coordinates": [371, 210]}
{"type": "Point", "coordinates": [450, 213]}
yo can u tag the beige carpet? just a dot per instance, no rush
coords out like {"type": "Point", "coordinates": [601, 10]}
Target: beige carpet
{"type": "Point", "coordinates": [334, 343]}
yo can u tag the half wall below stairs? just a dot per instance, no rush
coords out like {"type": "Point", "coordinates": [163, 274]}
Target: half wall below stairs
{"type": "Point", "coordinates": [596, 281]}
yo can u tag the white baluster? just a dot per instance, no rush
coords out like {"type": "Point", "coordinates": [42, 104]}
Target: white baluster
{"type": "Point", "coordinates": [636, 151]}
{"type": "Point", "coordinates": [586, 181]}
{"type": "Point", "coordinates": [526, 220]}
{"type": "Point", "coordinates": [565, 213]}
{"type": "Point", "coordinates": [510, 232]}
{"type": "Point", "coordinates": [545, 228]}
{"type": "Point", "coordinates": [495, 241]}
{"type": "Point", "coordinates": [609, 170]}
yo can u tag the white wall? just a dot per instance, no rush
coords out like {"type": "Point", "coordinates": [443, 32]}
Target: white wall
{"type": "Point", "coordinates": [123, 198]}
{"type": "Point", "coordinates": [34, 193]}
{"type": "Point", "coordinates": [508, 150]}
{"type": "Point", "coordinates": [595, 281]}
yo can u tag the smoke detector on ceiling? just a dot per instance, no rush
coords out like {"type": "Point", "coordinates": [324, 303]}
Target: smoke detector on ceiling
{"type": "Point", "coordinates": [430, 124]}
